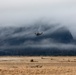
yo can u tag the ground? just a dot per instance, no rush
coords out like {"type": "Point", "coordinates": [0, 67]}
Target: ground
{"type": "Point", "coordinates": [38, 65]}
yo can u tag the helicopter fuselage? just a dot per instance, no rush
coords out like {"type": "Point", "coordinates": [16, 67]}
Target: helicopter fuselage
{"type": "Point", "coordinates": [38, 34]}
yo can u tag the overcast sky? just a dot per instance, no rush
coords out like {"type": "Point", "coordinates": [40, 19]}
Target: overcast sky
{"type": "Point", "coordinates": [19, 12]}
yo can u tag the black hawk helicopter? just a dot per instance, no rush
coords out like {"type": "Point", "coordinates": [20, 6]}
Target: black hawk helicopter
{"type": "Point", "coordinates": [38, 33]}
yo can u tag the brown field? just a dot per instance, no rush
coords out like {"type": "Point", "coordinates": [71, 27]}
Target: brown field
{"type": "Point", "coordinates": [38, 65]}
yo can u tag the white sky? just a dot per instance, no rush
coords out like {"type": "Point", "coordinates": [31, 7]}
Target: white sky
{"type": "Point", "coordinates": [18, 12]}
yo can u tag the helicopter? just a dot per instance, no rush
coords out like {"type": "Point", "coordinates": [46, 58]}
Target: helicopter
{"type": "Point", "coordinates": [38, 33]}
{"type": "Point", "coordinates": [39, 30]}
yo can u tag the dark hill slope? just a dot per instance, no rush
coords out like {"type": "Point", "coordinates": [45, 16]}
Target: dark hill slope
{"type": "Point", "coordinates": [56, 40]}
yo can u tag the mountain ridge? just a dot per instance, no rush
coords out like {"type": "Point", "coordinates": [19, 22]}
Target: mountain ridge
{"type": "Point", "coordinates": [23, 41]}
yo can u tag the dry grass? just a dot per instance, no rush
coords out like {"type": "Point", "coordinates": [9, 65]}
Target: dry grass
{"type": "Point", "coordinates": [43, 66]}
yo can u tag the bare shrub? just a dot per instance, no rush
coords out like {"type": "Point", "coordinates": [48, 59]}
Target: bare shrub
{"type": "Point", "coordinates": [68, 60]}
{"type": "Point", "coordinates": [51, 58]}
{"type": "Point", "coordinates": [36, 66]}
{"type": "Point", "coordinates": [42, 58]}
{"type": "Point", "coordinates": [31, 60]}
